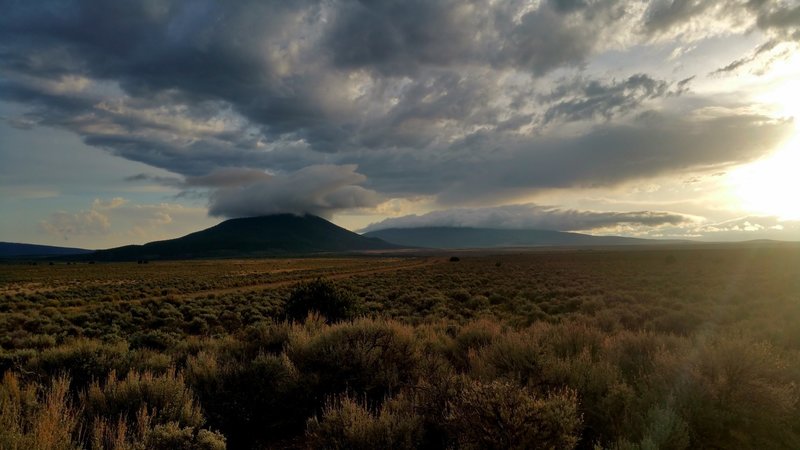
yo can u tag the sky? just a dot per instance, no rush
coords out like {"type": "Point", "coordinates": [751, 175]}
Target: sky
{"type": "Point", "coordinates": [127, 122]}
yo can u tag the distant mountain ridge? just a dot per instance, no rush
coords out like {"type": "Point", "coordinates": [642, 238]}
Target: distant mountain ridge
{"type": "Point", "coordinates": [19, 250]}
{"type": "Point", "coordinates": [275, 235]}
{"type": "Point", "coordinates": [467, 237]}
{"type": "Point", "coordinates": [293, 235]}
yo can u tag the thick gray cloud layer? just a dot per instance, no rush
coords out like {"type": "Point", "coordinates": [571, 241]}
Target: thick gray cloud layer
{"type": "Point", "coordinates": [467, 101]}
{"type": "Point", "coordinates": [319, 190]}
{"type": "Point", "coordinates": [531, 216]}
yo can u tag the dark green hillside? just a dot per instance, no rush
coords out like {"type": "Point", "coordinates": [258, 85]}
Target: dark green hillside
{"type": "Point", "coordinates": [16, 250]}
{"type": "Point", "coordinates": [282, 234]}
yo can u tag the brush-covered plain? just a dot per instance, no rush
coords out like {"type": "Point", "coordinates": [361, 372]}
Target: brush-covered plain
{"type": "Point", "coordinates": [656, 348]}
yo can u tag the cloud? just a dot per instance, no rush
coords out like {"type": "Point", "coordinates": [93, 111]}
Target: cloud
{"type": "Point", "coordinates": [243, 192]}
{"type": "Point", "coordinates": [117, 220]}
{"type": "Point", "coordinates": [586, 100]}
{"type": "Point", "coordinates": [751, 227]}
{"type": "Point", "coordinates": [466, 101]}
{"type": "Point", "coordinates": [227, 177]}
{"type": "Point", "coordinates": [402, 37]}
{"type": "Point", "coordinates": [532, 216]}
{"type": "Point", "coordinates": [193, 86]}
{"type": "Point", "coordinates": [782, 18]}
{"type": "Point", "coordinates": [749, 224]}
{"type": "Point", "coordinates": [320, 190]}
{"type": "Point", "coordinates": [778, 20]}
{"type": "Point", "coordinates": [486, 167]}
{"type": "Point", "coordinates": [761, 49]}
{"type": "Point", "coordinates": [82, 223]}
{"type": "Point", "coordinates": [668, 14]}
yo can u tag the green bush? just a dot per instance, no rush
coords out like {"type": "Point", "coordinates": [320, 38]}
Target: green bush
{"type": "Point", "coordinates": [512, 355]}
{"type": "Point", "coordinates": [739, 394]}
{"type": "Point", "coordinates": [84, 360]}
{"type": "Point", "coordinates": [170, 436]}
{"type": "Point", "coordinates": [665, 430]}
{"type": "Point", "coordinates": [323, 297]}
{"type": "Point", "coordinates": [472, 336]}
{"type": "Point", "coordinates": [367, 356]}
{"type": "Point", "coordinates": [349, 424]}
{"type": "Point", "coordinates": [250, 401]}
{"type": "Point", "coordinates": [504, 415]}
{"type": "Point", "coordinates": [166, 398]}
{"type": "Point", "coordinates": [34, 417]}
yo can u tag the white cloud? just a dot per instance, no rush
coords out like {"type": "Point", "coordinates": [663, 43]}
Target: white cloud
{"type": "Point", "coordinates": [319, 189]}
{"type": "Point", "coordinates": [532, 216]}
{"type": "Point", "coordinates": [118, 221]}
{"type": "Point", "coordinates": [82, 223]}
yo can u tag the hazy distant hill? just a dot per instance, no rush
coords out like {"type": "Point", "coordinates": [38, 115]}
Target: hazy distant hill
{"type": "Point", "coordinates": [16, 250]}
{"type": "Point", "coordinates": [457, 237]}
{"type": "Point", "coordinates": [282, 234]}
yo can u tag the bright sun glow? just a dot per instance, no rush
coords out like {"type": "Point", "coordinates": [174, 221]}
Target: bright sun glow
{"type": "Point", "coordinates": [771, 186]}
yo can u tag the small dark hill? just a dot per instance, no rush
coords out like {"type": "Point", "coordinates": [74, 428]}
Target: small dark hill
{"type": "Point", "coordinates": [276, 235]}
{"type": "Point", "coordinates": [457, 237]}
{"type": "Point", "coordinates": [16, 250]}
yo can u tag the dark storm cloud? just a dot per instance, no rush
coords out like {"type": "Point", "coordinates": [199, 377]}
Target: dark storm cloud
{"type": "Point", "coordinates": [487, 167]}
{"type": "Point", "coordinates": [665, 14]}
{"type": "Point", "coordinates": [401, 37]}
{"type": "Point", "coordinates": [219, 178]}
{"type": "Point", "coordinates": [166, 181]}
{"type": "Point", "coordinates": [586, 100]}
{"type": "Point", "coordinates": [269, 60]}
{"type": "Point", "coordinates": [531, 216]}
{"type": "Point", "coordinates": [443, 98]}
{"type": "Point", "coordinates": [569, 5]}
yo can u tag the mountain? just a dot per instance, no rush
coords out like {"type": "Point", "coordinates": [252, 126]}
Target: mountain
{"type": "Point", "coordinates": [16, 250]}
{"type": "Point", "coordinates": [457, 237]}
{"type": "Point", "coordinates": [281, 234]}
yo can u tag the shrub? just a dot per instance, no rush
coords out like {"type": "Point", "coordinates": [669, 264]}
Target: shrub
{"type": "Point", "coordinates": [739, 394]}
{"type": "Point", "coordinates": [511, 355]}
{"type": "Point", "coordinates": [142, 434]}
{"type": "Point", "coordinates": [165, 397]}
{"type": "Point", "coordinates": [666, 430]}
{"type": "Point", "coordinates": [472, 336]}
{"type": "Point", "coordinates": [323, 297]}
{"type": "Point", "coordinates": [172, 437]}
{"type": "Point", "coordinates": [607, 402]}
{"type": "Point", "coordinates": [503, 415]}
{"type": "Point", "coordinates": [36, 418]}
{"type": "Point", "coordinates": [84, 360]}
{"type": "Point", "coordinates": [152, 339]}
{"type": "Point", "coordinates": [348, 424]}
{"type": "Point", "coordinates": [249, 401]}
{"type": "Point", "coordinates": [269, 337]}
{"type": "Point", "coordinates": [367, 356]}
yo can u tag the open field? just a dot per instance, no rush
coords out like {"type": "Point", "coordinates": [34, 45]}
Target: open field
{"type": "Point", "coordinates": [626, 348]}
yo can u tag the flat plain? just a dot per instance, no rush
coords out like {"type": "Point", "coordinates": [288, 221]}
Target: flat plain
{"type": "Point", "coordinates": [627, 348]}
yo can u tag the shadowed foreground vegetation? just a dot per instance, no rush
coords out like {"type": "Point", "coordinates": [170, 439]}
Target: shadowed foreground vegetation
{"type": "Point", "coordinates": [644, 349]}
